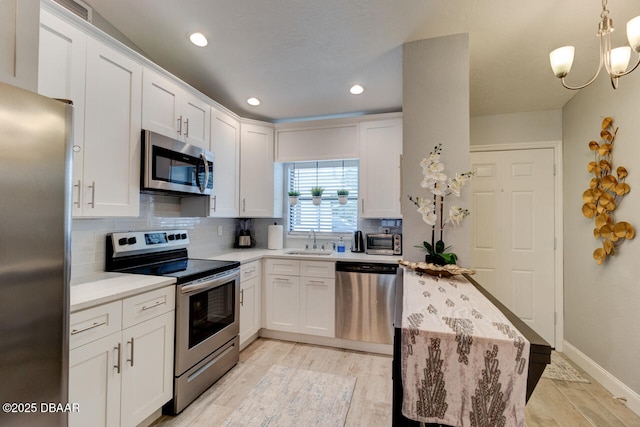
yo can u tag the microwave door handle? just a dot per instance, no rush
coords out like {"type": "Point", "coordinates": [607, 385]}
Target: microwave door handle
{"type": "Point", "coordinates": [203, 185]}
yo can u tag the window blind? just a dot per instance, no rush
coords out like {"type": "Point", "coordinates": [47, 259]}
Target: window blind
{"type": "Point", "coordinates": [330, 216]}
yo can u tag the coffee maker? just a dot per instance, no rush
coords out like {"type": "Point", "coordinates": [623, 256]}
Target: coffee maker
{"type": "Point", "coordinates": [357, 242]}
{"type": "Point", "coordinates": [243, 235]}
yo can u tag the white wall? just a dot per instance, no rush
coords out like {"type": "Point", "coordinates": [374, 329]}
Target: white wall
{"type": "Point", "coordinates": [435, 110]}
{"type": "Point", "coordinates": [602, 302]}
{"type": "Point", "coordinates": [533, 126]}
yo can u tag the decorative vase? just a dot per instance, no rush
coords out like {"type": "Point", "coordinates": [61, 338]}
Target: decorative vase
{"type": "Point", "coordinates": [293, 200]}
{"type": "Point", "coordinates": [342, 200]}
{"type": "Point", "coordinates": [317, 200]}
{"type": "Point", "coordinates": [434, 259]}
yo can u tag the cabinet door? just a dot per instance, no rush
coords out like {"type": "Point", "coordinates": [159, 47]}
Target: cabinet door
{"type": "Point", "coordinates": [317, 306]}
{"type": "Point", "coordinates": [94, 382]}
{"type": "Point", "coordinates": [196, 121]}
{"type": "Point", "coordinates": [147, 371]}
{"type": "Point", "coordinates": [160, 104]}
{"type": "Point", "coordinates": [256, 171]}
{"type": "Point", "coordinates": [249, 318]}
{"type": "Point", "coordinates": [61, 74]}
{"type": "Point", "coordinates": [112, 133]}
{"type": "Point", "coordinates": [225, 145]}
{"type": "Point", "coordinates": [19, 43]}
{"type": "Point", "coordinates": [380, 151]}
{"type": "Point", "coordinates": [283, 303]}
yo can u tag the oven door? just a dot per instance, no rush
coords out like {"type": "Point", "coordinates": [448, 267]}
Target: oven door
{"type": "Point", "coordinates": [207, 317]}
{"type": "Point", "coordinates": [173, 166]}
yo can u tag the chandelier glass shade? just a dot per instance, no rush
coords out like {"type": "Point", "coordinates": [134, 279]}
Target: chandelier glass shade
{"type": "Point", "coordinates": [615, 61]}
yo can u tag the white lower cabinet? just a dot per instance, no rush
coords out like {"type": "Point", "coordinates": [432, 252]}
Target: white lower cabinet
{"type": "Point", "coordinates": [300, 296]}
{"type": "Point", "coordinates": [121, 378]}
{"type": "Point", "coordinates": [250, 301]}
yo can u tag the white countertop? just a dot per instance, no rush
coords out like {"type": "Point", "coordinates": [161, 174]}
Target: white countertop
{"type": "Point", "coordinates": [106, 287]}
{"type": "Point", "coordinates": [247, 255]}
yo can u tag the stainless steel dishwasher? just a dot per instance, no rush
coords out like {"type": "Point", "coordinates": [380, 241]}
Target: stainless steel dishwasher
{"type": "Point", "coordinates": [365, 301]}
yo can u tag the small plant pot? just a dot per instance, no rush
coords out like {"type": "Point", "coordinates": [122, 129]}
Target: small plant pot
{"type": "Point", "coordinates": [317, 200]}
{"type": "Point", "coordinates": [293, 200]}
{"type": "Point", "coordinates": [342, 200]}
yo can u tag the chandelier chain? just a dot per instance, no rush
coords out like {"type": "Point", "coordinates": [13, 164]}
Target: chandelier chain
{"type": "Point", "coordinates": [605, 11]}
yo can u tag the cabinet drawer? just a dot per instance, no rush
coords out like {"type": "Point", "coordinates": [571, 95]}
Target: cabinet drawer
{"type": "Point", "coordinates": [250, 271]}
{"type": "Point", "coordinates": [145, 306]}
{"type": "Point", "coordinates": [94, 323]}
{"type": "Point", "coordinates": [285, 267]}
{"type": "Point", "coordinates": [318, 269]}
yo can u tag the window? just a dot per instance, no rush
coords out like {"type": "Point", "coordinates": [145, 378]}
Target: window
{"type": "Point", "coordinates": [330, 216]}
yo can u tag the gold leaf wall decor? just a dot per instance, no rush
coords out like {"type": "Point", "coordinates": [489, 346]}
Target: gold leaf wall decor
{"type": "Point", "coordinates": [605, 193]}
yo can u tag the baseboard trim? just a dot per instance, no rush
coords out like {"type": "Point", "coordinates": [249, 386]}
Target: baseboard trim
{"type": "Point", "coordinates": [608, 381]}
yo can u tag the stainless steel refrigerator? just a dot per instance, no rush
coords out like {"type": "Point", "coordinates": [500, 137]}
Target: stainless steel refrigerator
{"type": "Point", "coordinates": [35, 225]}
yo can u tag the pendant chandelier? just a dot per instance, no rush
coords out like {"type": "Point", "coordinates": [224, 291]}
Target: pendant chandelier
{"type": "Point", "coordinates": [615, 60]}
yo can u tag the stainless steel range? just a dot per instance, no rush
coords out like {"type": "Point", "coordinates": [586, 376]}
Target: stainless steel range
{"type": "Point", "coordinates": [207, 305]}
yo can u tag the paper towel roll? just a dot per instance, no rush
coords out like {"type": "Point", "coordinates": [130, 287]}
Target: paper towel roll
{"type": "Point", "coordinates": [275, 235]}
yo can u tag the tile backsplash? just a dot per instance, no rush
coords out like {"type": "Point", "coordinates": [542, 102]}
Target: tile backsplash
{"type": "Point", "coordinates": [159, 212]}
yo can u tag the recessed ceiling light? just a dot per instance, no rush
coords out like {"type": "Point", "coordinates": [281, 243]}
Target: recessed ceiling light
{"type": "Point", "coordinates": [356, 90]}
{"type": "Point", "coordinates": [198, 39]}
{"type": "Point", "coordinates": [253, 101]}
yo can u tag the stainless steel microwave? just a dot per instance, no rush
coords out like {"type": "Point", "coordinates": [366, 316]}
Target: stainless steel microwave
{"type": "Point", "coordinates": [169, 165]}
{"type": "Point", "coordinates": [384, 244]}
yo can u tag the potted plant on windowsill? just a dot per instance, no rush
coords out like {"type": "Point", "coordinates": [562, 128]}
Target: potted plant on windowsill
{"type": "Point", "coordinates": [342, 196]}
{"type": "Point", "coordinates": [293, 197]}
{"type": "Point", "coordinates": [316, 194]}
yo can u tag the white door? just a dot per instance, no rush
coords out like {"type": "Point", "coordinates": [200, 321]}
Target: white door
{"type": "Point", "coordinates": [513, 217]}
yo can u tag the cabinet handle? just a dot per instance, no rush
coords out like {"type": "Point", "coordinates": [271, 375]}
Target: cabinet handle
{"type": "Point", "coordinates": [400, 172]}
{"type": "Point", "coordinates": [362, 205]}
{"type": "Point", "coordinates": [317, 282]}
{"type": "Point", "coordinates": [95, 325]}
{"type": "Point", "coordinates": [242, 297]}
{"type": "Point", "coordinates": [244, 205]}
{"type": "Point", "coordinates": [281, 279]}
{"type": "Point", "coordinates": [186, 124]}
{"type": "Point", "coordinates": [79, 187]}
{"type": "Point", "coordinates": [249, 271]}
{"type": "Point", "coordinates": [117, 365]}
{"type": "Point", "coordinates": [215, 203]}
{"type": "Point", "coordinates": [157, 303]}
{"type": "Point", "coordinates": [180, 125]}
{"type": "Point", "coordinates": [131, 360]}
{"type": "Point", "coordinates": [92, 203]}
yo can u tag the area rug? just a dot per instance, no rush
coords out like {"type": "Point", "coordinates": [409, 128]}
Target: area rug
{"type": "Point", "coordinates": [560, 369]}
{"type": "Point", "coordinates": [287, 396]}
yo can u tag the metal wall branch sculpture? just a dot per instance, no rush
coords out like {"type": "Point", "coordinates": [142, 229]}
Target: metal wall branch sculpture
{"type": "Point", "coordinates": [605, 194]}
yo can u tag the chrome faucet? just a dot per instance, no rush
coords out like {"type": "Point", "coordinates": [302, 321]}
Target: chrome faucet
{"type": "Point", "coordinates": [315, 243]}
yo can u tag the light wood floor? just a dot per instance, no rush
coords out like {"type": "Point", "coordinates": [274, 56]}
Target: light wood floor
{"type": "Point", "coordinates": [554, 403]}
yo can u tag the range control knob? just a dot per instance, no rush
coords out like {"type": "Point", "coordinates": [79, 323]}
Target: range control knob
{"type": "Point", "coordinates": [171, 236]}
{"type": "Point", "coordinates": [183, 235]}
{"type": "Point", "coordinates": [122, 241]}
{"type": "Point", "coordinates": [132, 240]}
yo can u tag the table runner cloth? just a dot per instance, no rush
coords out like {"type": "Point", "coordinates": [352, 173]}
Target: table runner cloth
{"type": "Point", "coordinates": [463, 362]}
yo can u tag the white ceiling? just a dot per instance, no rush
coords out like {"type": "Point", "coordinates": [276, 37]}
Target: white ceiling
{"type": "Point", "coordinates": [301, 56]}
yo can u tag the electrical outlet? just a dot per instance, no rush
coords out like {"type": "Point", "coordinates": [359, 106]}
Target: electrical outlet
{"type": "Point", "coordinates": [219, 231]}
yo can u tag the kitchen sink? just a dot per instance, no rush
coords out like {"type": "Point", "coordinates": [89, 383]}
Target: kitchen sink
{"type": "Point", "coordinates": [309, 252]}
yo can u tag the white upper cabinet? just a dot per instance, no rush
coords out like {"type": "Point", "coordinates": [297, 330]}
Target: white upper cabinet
{"type": "Point", "coordinates": [225, 145]}
{"type": "Point", "coordinates": [171, 110]}
{"type": "Point", "coordinates": [62, 74]}
{"type": "Point", "coordinates": [111, 185]}
{"type": "Point", "coordinates": [19, 43]}
{"type": "Point", "coordinates": [258, 173]}
{"type": "Point", "coordinates": [323, 142]}
{"type": "Point", "coordinates": [380, 161]}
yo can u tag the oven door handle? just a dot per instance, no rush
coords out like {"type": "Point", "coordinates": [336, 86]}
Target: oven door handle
{"type": "Point", "coordinates": [209, 284]}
